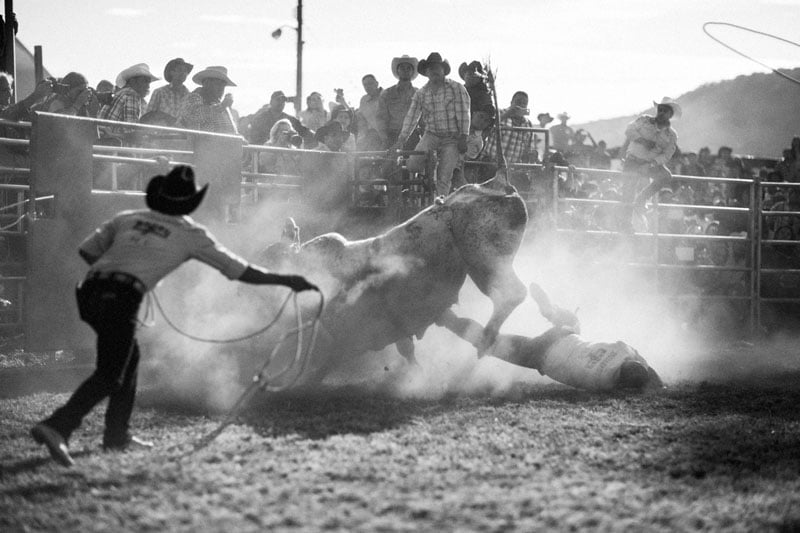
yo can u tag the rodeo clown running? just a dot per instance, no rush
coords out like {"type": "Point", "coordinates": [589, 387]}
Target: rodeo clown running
{"type": "Point", "coordinates": [129, 254]}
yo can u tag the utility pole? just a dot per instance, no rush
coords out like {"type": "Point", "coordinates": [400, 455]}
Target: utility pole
{"type": "Point", "coordinates": [298, 102]}
{"type": "Point", "coordinates": [9, 44]}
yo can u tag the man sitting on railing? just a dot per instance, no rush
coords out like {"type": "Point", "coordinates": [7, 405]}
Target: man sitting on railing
{"type": "Point", "coordinates": [649, 144]}
{"type": "Point", "coordinates": [167, 100]}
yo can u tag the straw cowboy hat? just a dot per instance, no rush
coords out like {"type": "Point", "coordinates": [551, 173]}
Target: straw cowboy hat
{"type": "Point", "coordinates": [176, 193]}
{"type": "Point", "coordinates": [433, 59]}
{"type": "Point", "coordinates": [676, 108]}
{"type": "Point", "coordinates": [397, 61]}
{"type": "Point", "coordinates": [139, 69]}
{"type": "Point", "coordinates": [215, 72]}
{"type": "Point", "coordinates": [563, 116]}
{"type": "Point", "coordinates": [474, 66]}
{"type": "Point", "coordinates": [172, 63]}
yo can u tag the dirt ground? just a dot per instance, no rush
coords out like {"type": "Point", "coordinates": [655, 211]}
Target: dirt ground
{"type": "Point", "coordinates": [542, 457]}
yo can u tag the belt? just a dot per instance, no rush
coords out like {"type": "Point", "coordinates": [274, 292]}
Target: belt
{"type": "Point", "coordinates": [443, 135]}
{"type": "Point", "coordinates": [638, 160]}
{"type": "Point", "coordinates": [119, 277]}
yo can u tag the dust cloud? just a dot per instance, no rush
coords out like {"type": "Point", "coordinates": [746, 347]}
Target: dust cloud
{"type": "Point", "coordinates": [683, 343]}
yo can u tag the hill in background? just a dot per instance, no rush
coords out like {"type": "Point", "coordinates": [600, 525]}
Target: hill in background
{"type": "Point", "coordinates": [756, 114]}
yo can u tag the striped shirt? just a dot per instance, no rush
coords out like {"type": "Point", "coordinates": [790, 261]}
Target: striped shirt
{"type": "Point", "coordinates": [197, 115]}
{"type": "Point", "coordinates": [517, 145]}
{"type": "Point", "coordinates": [168, 99]}
{"type": "Point", "coordinates": [445, 110]}
{"type": "Point", "coordinates": [127, 106]}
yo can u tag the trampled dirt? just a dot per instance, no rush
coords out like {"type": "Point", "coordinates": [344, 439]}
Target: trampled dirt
{"type": "Point", "coordinates": [545, 457]}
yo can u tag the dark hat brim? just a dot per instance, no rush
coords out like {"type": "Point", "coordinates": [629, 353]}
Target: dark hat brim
{"type": "Point", "coordinates": [424, 65]}
{"type": "Point", "coordinates": [157, 201]}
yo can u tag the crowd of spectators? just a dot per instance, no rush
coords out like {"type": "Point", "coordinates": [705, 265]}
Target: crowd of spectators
{"type": "Point", "coordinates": [372, 125]}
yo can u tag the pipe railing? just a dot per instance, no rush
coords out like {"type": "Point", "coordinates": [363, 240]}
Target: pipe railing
{"type": "Point", "coordinates": [256, 180]}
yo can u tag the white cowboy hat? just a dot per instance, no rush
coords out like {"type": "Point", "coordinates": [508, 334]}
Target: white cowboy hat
{"type": "Point", "coordinates": [676, 108]}
{"type": "Point", "coordinates": [216, 72]}
{"type": "Point", "coordinates": [404, 59]}
{"type": "Point", "coordinates": [563, 115]}
{"type": "Point", "coordinates": [140, 69]}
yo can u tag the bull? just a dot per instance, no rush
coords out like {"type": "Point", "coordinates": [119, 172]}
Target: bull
{"type": "Point", "coordinates": [390, 288]}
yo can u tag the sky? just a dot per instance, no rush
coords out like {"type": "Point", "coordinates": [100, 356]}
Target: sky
{"type": "Point", "coordinates": [594, 59]}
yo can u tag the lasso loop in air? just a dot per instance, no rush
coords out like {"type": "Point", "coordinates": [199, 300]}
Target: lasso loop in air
{"type": "Point", "coordinates": [732, 49]}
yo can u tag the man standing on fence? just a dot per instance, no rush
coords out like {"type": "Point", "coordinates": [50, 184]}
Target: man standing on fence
{"type": "Point", "coordinates": [128, 255]}
{"type": "Point", "coordinates": [394, 101]}
{"type": "Point", "coordinates": [443, 104]}
{"type": "Point", "coordinates": [649, 143]}
{"type": "Point", "coordinates": [518, 146]}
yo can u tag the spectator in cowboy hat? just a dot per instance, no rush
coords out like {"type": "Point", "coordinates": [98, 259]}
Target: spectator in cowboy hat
{"type": "Point", "coordinates": [395, 100]}
{"type": "Point", "coordinates": [129, 104]}
{"type": "Point", "coordinates": [650, 143]}
{"type": "Point", "coordinates": [443, 104]}
{"type": "Point", "coordinates": [205, 108]}
{"type": "Point", "coordinates": [544, 119]}
{"type": "Point", "coordinates": [561, 134]}
{"type": "Point", "coordinates": [128, 255]}
{"type": "Point", "coordinates": [168, 99]}
{"type": "Point", "coordinates": [475, 82]}
{"type": "Point", "coordinates": [256, 127]}
{"type": "Point", "coordinates": [330, 137]}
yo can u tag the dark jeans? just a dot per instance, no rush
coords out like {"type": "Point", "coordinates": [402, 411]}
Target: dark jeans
{"type": "Point", "coordinates": [110, 306]}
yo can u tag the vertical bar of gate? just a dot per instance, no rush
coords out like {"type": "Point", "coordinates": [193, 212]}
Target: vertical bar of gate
{"type": "Point", "coordinates": [755, 255]}
{"type": "Point", "coordinates": [554, 176]}
{"type": "Point", "coordinates": [656, 239]}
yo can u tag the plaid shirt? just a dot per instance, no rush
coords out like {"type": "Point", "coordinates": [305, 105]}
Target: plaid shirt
{"type": "Point", "coordinates": [127, 106]}
{"type": "Point", "coordinates": [197, 115]}
{"type": "Point", "coordinates": [445, 110]}
{"type": "Point", "coordinates": [517, 145]}
{"type": "Point", "coordinates": [648, 142]}
{"type": "Point", "coordinates": [168, 100]}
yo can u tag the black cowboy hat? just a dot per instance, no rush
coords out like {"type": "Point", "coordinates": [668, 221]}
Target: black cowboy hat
{"type": "Point", "coordinates": [474, 66]}
{"type": "Point", "coordinates": [331, 128]}
{"type": "Point", "coordinates": [176, 193]}
{"type": "Point", "coordinates": [172, 63]}
{"type": "Point", "coordinates": [433, 58]}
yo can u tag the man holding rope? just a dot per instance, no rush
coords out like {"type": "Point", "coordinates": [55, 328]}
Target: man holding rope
{"type": "Point", "coordinates": [128, 255]}
{"type": "Point", "coordinates": [649, 143]}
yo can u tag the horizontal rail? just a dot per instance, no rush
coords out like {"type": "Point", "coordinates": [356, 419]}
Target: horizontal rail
{"type": "Point", "coordinates": [14, 170]}
{"type": "Point", "coordinates": [14, 142]}
{"type": "Point", "coordinates": [292, 186]}
{"type": "Point", "coordinates": [138, 126]}
{"type": "Point", "coordinates": [133, 160]}
{"type": "Point", "coordinates": [662, 266]}
{"type": "Point", "coordinates": [132, 150]}
{"type": "Point", "coordinates": [106, 192]}
{"type": "Point", "coordinates": [258, 175]}
{"type": "Point", "coordinates": [15, 124]}
{"type": "Point", "coordinates": [14, 187]}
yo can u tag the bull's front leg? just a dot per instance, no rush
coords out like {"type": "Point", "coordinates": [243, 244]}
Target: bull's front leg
{"type": "Point", "coordinates": [506, 292]}
{"type": "Point", "coordinates": [406, 348]}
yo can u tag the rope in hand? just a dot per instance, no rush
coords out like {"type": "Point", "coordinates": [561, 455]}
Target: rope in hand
{"type": "Point", "coordinates": [732, 49]}
{"type": "Point", "coordinates": [223, 341]}
{"type": "Point", "coordinates": [262, 382]}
